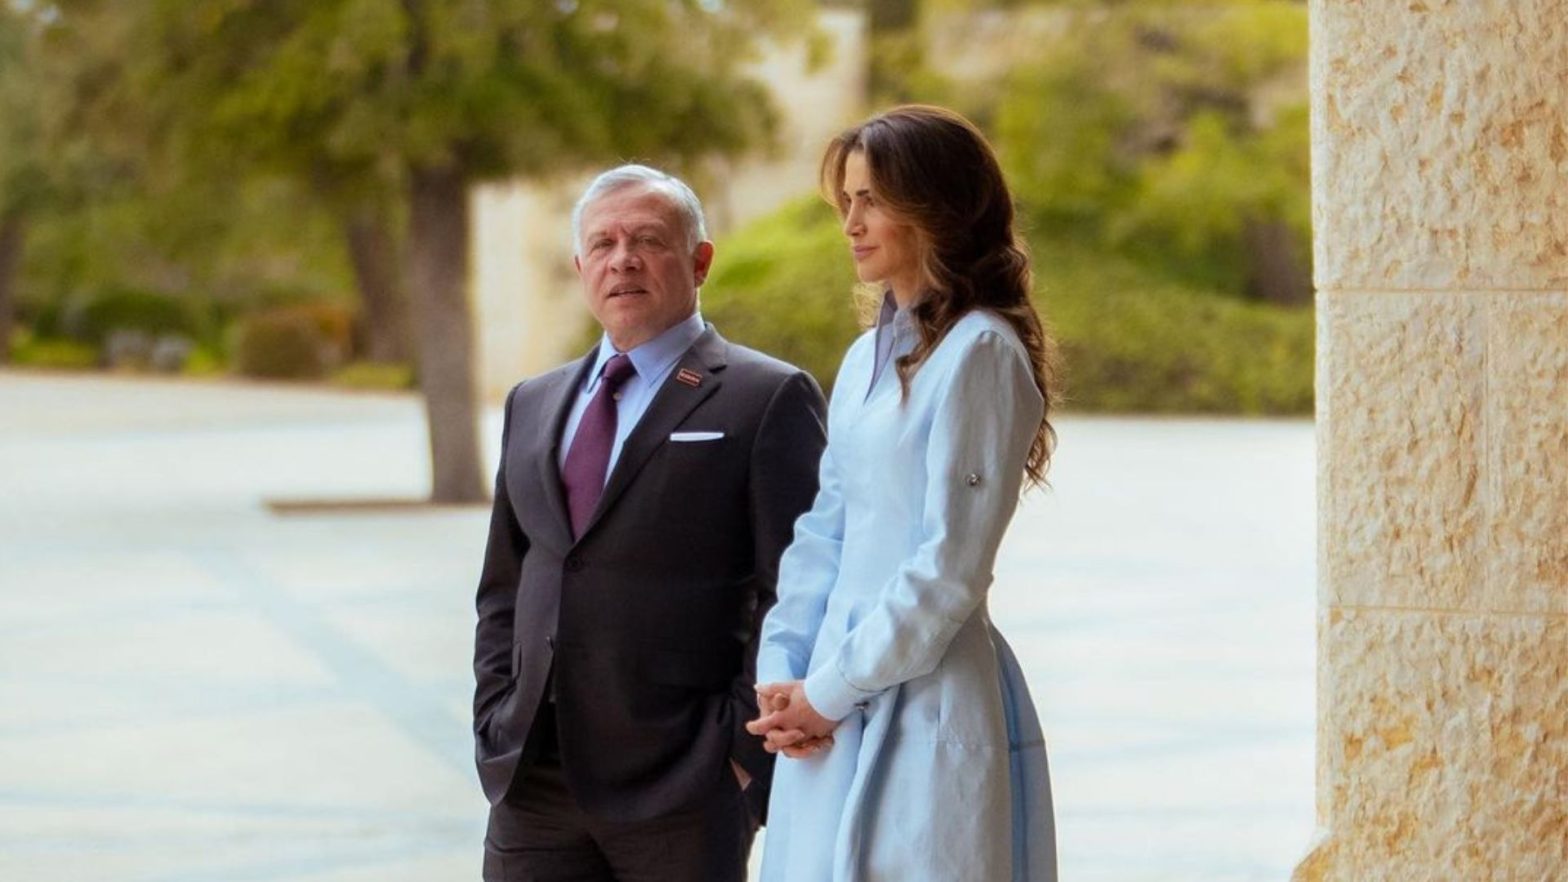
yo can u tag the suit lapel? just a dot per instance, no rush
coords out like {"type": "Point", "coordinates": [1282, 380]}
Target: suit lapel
{"type": "Point", "coordinates": [558, 403]}
{"type": "Point", "coordinates": [676, 398]}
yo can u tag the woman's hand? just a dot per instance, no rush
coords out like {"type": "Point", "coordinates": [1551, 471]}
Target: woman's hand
{"type": "Point", "coordinates": [788, 723]}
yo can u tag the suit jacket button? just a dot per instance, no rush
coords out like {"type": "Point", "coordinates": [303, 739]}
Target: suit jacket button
{"type": "Point", "coordinates": [550, 642]}
{"type": "Point", "coordinates": [574, 564]}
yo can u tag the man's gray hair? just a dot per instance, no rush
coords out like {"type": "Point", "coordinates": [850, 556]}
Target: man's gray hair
{"type": "Point", "coordinates": [686, 204]}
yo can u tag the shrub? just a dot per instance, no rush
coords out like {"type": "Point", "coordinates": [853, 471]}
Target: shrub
{"type": "Point", "coordinates": [1133, 341]}
{"type": "Point", "coordinates": [336, 325]}
{"type": "Point", "coordinates": [28, 350]}
{"type": "Point", "coordinates": [784, 285]}
{"type": "Point", "coordinates": [95, 318]}
{"type": "Point", "coordinates": [203, 362]}
{"type": "Point", "coordinates": [379, 375]}
{"type": "Point", "coordinates": [295, 342]}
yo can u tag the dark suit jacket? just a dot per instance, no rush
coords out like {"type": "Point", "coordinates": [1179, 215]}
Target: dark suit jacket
{"type": "Point", "coordinates": [648, 623]}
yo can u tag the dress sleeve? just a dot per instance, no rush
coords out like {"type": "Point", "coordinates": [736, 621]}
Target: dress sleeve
{"type": "Point", "coordinates": [981, 431]}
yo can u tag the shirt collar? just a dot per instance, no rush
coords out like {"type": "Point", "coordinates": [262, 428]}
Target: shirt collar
{"type": "Point", "coordinates": [894, 327]}
{"type": "Point", "coordinates": [890, 314]}
{"type": "Point", "coordinates": [894, 336]}
{"type": "Point", "coordinates": [655, 356]}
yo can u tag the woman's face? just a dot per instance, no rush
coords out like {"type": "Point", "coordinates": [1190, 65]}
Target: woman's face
{"type": "Point", "coordinates": [884, 248]}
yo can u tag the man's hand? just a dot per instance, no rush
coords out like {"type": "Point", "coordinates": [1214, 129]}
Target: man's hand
{"type": "Point", "coordinates": [788, 722]}
{"type": "Point", "coordinates": [741, 776]}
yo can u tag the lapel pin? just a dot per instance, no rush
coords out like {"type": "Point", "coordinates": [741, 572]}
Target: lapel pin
{"type": "Point", "coordinates": [689, 377]}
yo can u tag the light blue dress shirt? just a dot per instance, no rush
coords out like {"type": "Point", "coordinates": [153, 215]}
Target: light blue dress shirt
{"type": "Point", "coordinates": [653, 360]}
{"type": "Point", "coordinates": [937, 771]}
{"type": "Point", "coordinates": [895, 331]}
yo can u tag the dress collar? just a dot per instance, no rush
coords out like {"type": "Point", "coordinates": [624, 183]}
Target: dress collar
{"type": "Point", "coordinates": [894, 336]}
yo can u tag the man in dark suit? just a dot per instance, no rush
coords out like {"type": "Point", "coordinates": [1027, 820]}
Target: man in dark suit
{"type": "Point", "coordinates": [644, 496]}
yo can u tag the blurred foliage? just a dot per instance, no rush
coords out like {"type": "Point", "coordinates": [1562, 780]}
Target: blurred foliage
{"type": "Point", "coordinates": [291, 342]}
{"type": "Point", "coordinates": [374, 375]}
{"type": "Point", "coordinates": [28, 350]}
{"type": "Point", "coordinates": [226, 249]}
{"type": "Point", "coordinates": [21, 115]}
{"type": "Point", "coordinates": [364, 91]}
{"type": "Point", "coordinates": [92, 320]}
{"type": "Point", "coordinates": [897, 52]}
{"type": "Point", "coordinates": [106, 212]}
{"type": "Point", "coordinates": [336, 325]}
{"type": "Point", "coordinates": [783, 285]}
{"type": "Point", "coordinates": [1172, 134]}
{"type": "Point", "coordinates": [204, 362]}
{"type": "Point", "coordinates": [1133, 340]}
{"type": "Point", "coordinates": [22, 110]}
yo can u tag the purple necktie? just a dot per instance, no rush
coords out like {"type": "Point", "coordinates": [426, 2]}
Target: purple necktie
{"type": "Point", "coordinates": [582, 475]}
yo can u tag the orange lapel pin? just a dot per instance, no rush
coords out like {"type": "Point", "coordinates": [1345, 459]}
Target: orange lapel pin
{"type": "Point", "coordinates": [689, 377]}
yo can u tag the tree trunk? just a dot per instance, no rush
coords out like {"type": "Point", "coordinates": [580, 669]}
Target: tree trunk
{"type": "Point", "coordinates": [1276, 273]}
{"type": "Point", "coordinates": [892, 15]}
{"type": "Point", "coordinates": [443, 330]}
{"type": "Point", "coordinates": [373, 250]}
{"type": "Point", "coordinates": [10, 263]}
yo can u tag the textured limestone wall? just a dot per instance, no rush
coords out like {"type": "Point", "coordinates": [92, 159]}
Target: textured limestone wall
{"type": "Point", "coordinates": [1440, 190]}
{"type": "Point", "coordinates": [1445, 117]}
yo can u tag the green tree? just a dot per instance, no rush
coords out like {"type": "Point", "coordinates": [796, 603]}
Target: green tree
{"type": "Point", "coordinates": [221, 113]}
{"type": "Point", "coordinates": [418, 99]}
{"type": "Point", "coordinates": [111, 216]}
{"type": "Point", "coordinates": [21, 152]}
{"type": "Point", "coordinates": [1173, 133]}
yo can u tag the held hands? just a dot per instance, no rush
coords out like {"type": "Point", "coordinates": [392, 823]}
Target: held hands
{"type": "Point", "coordinates": [788, 723]}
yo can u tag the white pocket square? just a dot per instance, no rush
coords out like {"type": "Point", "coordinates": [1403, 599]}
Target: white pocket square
{"type": "Point", "coordinates": [696, 436]}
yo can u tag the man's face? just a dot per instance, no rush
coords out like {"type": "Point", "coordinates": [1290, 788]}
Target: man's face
{"type": "Point", "coordinates": [640, 277]}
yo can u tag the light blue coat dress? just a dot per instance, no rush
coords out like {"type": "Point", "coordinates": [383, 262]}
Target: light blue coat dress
{"type": "Point", "coordinates": [938, 768]}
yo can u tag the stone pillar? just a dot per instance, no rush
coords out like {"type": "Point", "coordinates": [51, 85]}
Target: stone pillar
{"type": "Point", "coordinates": [1440, 197]}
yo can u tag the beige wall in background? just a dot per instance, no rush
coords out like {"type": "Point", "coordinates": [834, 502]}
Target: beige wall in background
{"type": "Point", "coordinates": [980, 46]}
{"type": "Point", "coordinates": [1440, 191]}
{"type": "Point", "coordinates": [526, 301]}
{"type": "Point", "coordinates": [814, 105]}
{"type": "Point", "coordinates": [527, 309]}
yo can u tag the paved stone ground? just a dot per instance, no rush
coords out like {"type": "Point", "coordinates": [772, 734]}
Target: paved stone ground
{"type": "Point", "coordinates": [193, 689]}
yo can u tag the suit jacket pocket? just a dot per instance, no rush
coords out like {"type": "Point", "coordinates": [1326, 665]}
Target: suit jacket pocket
{"type": "Point", "coordinates": [708, 671]}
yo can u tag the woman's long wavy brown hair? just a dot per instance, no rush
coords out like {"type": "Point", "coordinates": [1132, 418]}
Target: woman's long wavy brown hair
{"type": "Point", "coordinates": [935, 171]}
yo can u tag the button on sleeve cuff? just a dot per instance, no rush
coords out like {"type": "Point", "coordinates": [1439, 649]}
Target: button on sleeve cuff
{"type": "Point", "coordinates": [833, 696]}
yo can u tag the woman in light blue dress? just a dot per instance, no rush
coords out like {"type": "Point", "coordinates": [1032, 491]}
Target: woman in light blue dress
{"type": "Point", "coordinates": [912, 748]}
